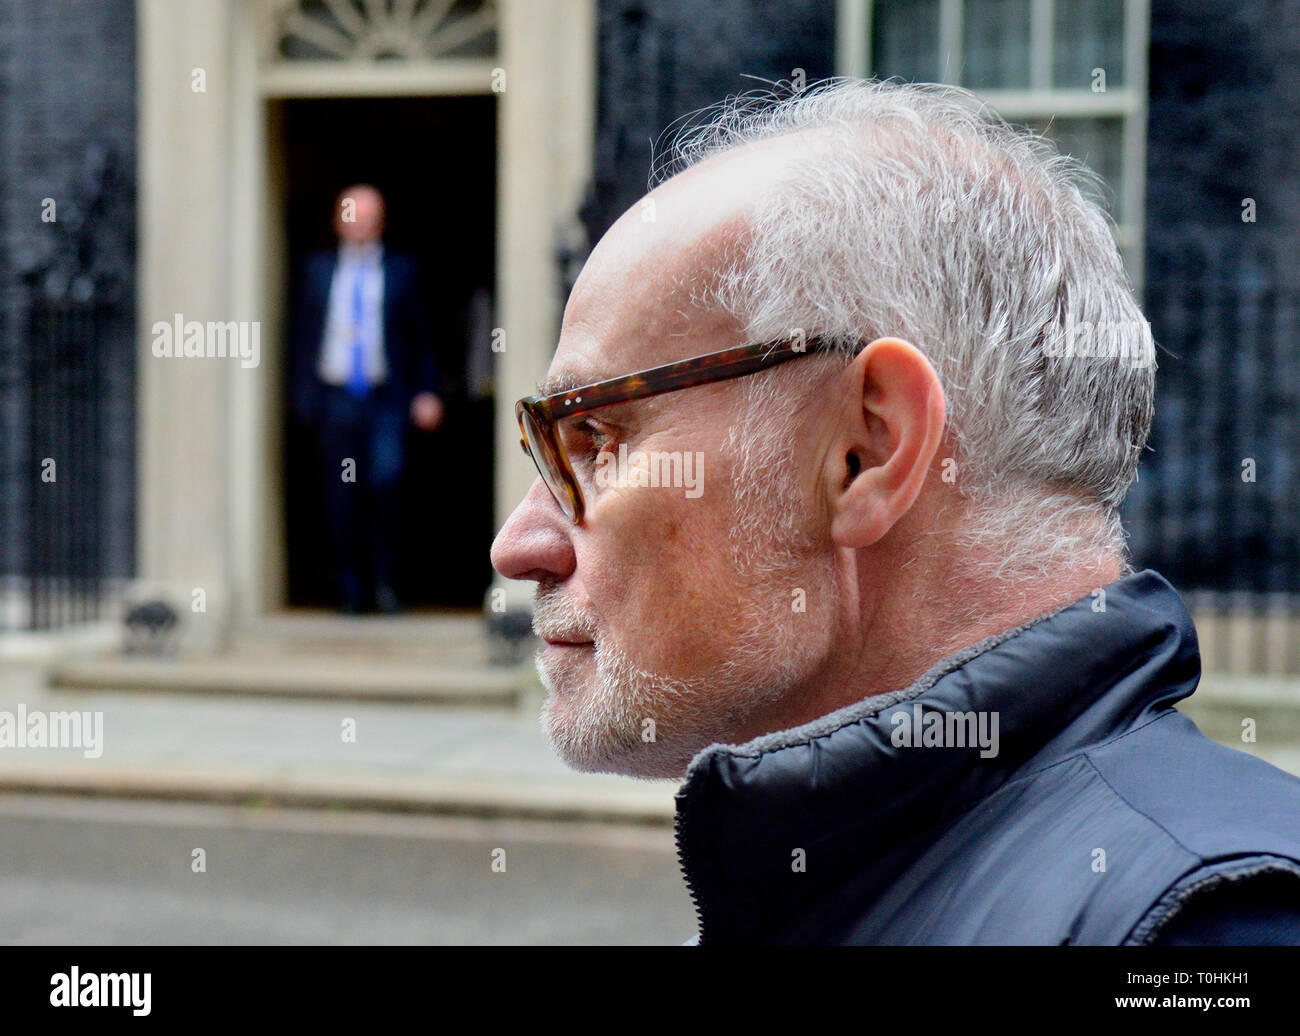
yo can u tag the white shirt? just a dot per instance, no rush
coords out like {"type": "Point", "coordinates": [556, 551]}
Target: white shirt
{"type": "Point", "coordinates": [335, 365]}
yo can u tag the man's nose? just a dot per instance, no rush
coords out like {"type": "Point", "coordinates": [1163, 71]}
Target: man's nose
{"type": "Point", "coordinates": [534, 542]}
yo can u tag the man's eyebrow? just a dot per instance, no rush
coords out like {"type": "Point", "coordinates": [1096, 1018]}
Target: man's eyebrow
{"type": "Point", "coordinates": [562, 381]}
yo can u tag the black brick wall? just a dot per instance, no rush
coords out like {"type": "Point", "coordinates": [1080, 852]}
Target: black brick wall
{"type": "Point", "coordinates": [660, 60]}
{"type": "Point", "coordinates": [67, 95]}
{"type": "Point", "coordinates": [1224, 113]}
{"type": "Point", "coordinates": [1223, 297]}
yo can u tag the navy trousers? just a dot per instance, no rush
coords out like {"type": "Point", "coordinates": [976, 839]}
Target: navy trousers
{"type": "Point", "coordinates": [363, 442]}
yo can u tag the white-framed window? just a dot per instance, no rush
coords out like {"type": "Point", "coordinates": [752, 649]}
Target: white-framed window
{"type": "Point", "coordinates": [1074, 69]}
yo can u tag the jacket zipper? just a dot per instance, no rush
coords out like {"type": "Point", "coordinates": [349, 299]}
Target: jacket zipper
{"type": "Point", "coordinates": [683, 857]}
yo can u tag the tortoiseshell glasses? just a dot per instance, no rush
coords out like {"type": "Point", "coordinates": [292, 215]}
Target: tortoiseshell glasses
{"type": "Point", "coordinates": [539, 416]}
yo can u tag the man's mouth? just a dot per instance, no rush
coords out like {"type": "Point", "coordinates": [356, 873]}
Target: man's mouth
{"type": "Point", "coordinates": [567, 643]}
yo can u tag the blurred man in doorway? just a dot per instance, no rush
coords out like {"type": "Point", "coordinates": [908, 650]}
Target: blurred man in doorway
{"type": "Point", "coordinates": [363, 366]}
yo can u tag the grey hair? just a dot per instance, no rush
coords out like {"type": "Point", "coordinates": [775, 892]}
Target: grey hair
{"type": "Point", "coordinates": [915, 211]}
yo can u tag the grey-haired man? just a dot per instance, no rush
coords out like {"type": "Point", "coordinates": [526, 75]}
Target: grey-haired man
{"type": "Point", "coordinates": [895, 647]}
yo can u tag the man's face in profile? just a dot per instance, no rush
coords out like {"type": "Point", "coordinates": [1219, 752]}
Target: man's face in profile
{"type": "Point", "coordinates": [672, 621]}
{"type": "Point", "coordinates": [359, 215]}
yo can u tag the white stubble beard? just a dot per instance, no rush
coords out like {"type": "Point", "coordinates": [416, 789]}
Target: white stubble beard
{"type": "Point", "coordinates": [597, 723]}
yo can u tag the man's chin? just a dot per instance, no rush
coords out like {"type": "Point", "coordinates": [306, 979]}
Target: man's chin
{"type": "Point", "coordinates": [588, 745]}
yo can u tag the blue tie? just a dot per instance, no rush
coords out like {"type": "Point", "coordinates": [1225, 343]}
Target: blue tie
{"type": "Point", "coordinates": [358, 383]}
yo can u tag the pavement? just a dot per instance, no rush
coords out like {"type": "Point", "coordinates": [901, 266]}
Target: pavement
{"type": "Point", "coordinates": [398, 716]}
{"type": "Point", "coordinates": [404, 715]}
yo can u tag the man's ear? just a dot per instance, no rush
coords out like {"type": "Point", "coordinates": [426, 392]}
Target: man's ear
{"type": "Point", "coordinates": [892, 431]}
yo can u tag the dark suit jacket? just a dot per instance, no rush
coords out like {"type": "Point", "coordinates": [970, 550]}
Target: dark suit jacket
{"type": "Point", "coordinates": [408, 344]}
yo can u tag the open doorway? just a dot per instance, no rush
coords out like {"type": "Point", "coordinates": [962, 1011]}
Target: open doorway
{"type": "Point", "coordinates": [434, 159]}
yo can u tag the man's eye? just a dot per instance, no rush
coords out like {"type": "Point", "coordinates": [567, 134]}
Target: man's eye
{"type": "Point", "coordinates": [593, 437]}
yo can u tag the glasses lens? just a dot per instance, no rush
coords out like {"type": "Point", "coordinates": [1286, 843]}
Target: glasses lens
{"type": "Point", "coordinates": [548, 465]}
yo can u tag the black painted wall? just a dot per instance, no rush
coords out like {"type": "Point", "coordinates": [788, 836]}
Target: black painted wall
{"type": "Point", "coordinates": [1217, 505]}
{"type": "Point", "coordinates": [661, 59]}
{"type": "Point", "coordinates": [67, 132]}
{"type": "Point", "coordinates": [1224, 113]}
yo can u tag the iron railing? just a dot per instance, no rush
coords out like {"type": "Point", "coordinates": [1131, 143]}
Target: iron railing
{"type": "Point", "coordinates": [64, 553]}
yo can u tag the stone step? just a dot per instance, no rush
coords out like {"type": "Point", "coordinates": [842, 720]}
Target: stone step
{"type": "Point", "coordinates": [638, 803]}
{"type": "Point", "coordinates": [1223, 701]}
{"type": "Point", "coordinates": [296, 676]}
{"type": "Point", "coordinates": [317, 628]}
{"type": "Point", "coordinates": [316, 752]}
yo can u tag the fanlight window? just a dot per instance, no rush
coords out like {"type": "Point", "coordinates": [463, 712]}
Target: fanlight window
{"type": "Point", "coordinates": [383, 30]}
